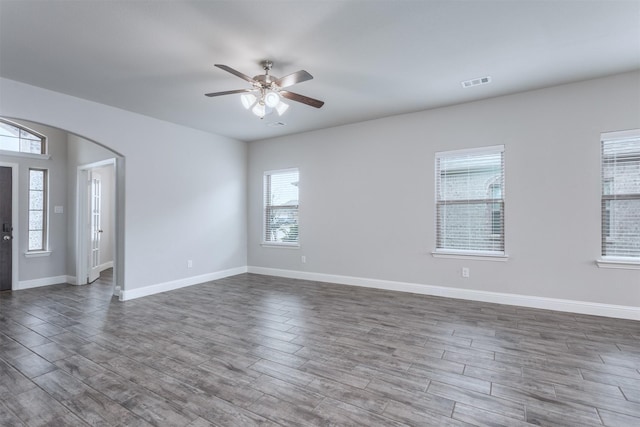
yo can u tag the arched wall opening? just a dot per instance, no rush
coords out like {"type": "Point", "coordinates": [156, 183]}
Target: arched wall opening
{"type": "Point", "coordinates": [69, 160]}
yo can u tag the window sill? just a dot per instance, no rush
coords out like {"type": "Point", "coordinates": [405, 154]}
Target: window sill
{"type": "Point", "coordinates": [620, 263]}
{"type": "Point", "coordinates": [280, 245]}
{"type": "Point", "coordinates": [37, 254]}
{"type": "Point", "coordinates": [27, 155]}
{"type": "Point", "coordinates": [481, 256]}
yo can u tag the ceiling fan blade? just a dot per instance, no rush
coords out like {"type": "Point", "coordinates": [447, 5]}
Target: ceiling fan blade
{"type": "Point", "coordinates": [301, 98]}
{"type": "Point", "coordinates": [293, 78]}
{"type": "Point", "coordinates": [229, 92]}
{"type": "Point", "coordinates": [235, 73]}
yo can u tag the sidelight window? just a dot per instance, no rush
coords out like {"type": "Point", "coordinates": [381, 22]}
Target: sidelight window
{"type": "Point", "coordinates": [37, 221]}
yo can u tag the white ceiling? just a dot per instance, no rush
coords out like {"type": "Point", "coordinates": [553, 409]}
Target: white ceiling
{"type": "Point", "coordinates": [369, 59]}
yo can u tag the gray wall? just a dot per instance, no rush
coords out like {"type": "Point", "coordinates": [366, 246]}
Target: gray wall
{"type": "Point", "coordinates": [367, 193]}
{"type": "Point", "coordinates": [185, 190]}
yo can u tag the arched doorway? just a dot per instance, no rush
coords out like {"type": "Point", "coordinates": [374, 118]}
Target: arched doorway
{"type": "Point", "coordinates": [63, 258]}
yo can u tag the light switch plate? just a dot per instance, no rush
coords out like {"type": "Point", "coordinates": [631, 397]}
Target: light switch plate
{"type": "Point", "coordinates": [58, 209]}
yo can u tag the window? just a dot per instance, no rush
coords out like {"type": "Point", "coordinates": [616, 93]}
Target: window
{"type": "Point", "coordinates": [621, 195]}
{"type": "Point", "coordinates": [37, 240]}
{"type": "Point", "coordinates": [470, 201]}
{"type": "Point", "coordinates": [14, 137]}
{"type": "Point", "coordinates": [281, 207]}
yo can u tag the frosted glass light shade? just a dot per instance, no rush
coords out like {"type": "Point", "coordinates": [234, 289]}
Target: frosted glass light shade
{"type": "Point", "coordinates": [271, 99]}
{"type": "Point", "coordinates": [259, 110]}
{"type": "Point", "coordinates": [248, 100]}
{"type": "Point", "coordinates": [281, 108]}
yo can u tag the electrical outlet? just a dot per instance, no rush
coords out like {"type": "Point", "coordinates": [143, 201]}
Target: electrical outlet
{"type": "Point", "coordinates": [465, 272]}
{"type": "Point", "coordinates": [303, 259]}
{"type": "Point", "coordinates": [190, 263]}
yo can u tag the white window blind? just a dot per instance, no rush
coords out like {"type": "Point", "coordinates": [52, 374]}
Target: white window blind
{"type": "Point", "coordinates": [621, 195]}
{"type": "Point", "coordinates": [281, 207]}
{"type": "Point", "coordinates": [470, 201]}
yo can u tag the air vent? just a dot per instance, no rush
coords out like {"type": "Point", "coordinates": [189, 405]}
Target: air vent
{"type": "Point", "coordinates": [476, 82]}
{"type": "Point", "coordinates": [276, 124]}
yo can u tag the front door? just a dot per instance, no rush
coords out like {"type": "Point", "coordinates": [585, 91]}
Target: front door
{"type": "Point", "coordinates": [5, 228]}
{"type": "Point", "coordinates": [95, 201]}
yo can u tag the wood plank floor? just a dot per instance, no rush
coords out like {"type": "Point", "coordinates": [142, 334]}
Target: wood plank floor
{"type": "Point", "coordinates": [257, 350]}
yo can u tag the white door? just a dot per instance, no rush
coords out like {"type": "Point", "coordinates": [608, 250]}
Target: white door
{"type": "Point", "coordinates": [95, 230]}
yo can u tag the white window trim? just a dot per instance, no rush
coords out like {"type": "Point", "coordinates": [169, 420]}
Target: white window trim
{"type": "Point", "coordinates": [474, 255]}
{"type": "Point", "coordinates": [280, 245]}
{"type": "Point", "coordinates": [25, 155]}
{"type": "Point", "coordinates": [471, 254]}
{"type": "Point", "coordinates": [467, 151]}
{"type": "Point", "coordinates": [37, 254]}
{"type": "Point", "coordinates": [619, 263]}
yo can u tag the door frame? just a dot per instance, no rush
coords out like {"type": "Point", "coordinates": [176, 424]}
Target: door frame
{"type": "Point", "coordinates": [14, 222]}
{"type": "Point", "coordinates": [82, 221]}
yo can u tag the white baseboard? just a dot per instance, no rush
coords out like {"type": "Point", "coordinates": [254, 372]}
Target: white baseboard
{"type": "Point", "coordinates": [180, 283]}
{"type": "Point", "coordinates": [571, 306]}
{"type": "Point", "coordinates": [44, 281]}
{"type": "Point", "coordinates": [103, 267]}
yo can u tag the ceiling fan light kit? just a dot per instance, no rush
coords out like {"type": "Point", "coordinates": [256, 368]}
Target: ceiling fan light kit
{"type": "Point", "coordinates": [271, 98]}
{"type": "Point", "coordinates": [266, 93]}
{"type": "Point", "coordinates": [259, 109]}
{"type": "Point", "coordinates": [248, 100]}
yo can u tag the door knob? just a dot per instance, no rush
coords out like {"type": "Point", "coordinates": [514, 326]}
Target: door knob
{"type": "Point", "coordinates": [6, 238]}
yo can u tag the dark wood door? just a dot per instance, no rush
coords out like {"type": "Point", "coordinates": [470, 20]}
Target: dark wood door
{"type": "Point", "coordinates": [5, 228]}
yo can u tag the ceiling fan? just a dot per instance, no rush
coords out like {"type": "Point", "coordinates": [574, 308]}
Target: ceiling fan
{"type": "Point", "coordinates": [266, 91]}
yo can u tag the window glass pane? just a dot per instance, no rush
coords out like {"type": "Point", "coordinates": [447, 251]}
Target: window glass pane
{"type": "Point", "coordinates": [282, 225]}
{"type": "Point", "coordinates": [9, 143]}
{"type": "Point", "coordinates": [7, 129]}
{"type": "Point", "coordinates": [35, 220]}
{"type": "Point", "coordinates": [31, 146]}
{"type": "Point", "coordinates": [284, 189]}
{"type": "Point", "coordinates": [36, 147]}
{"type": "Point", "coordinates": [622, 237]}
{"type": "Point", "coordinates": [466, 178]}
{"type": "Point", "coordinates": [36, 200]}
{"type": "Point", "coordinates": [472, 226]}
{"type": "Point", "coordinates": [623, 178]}
{"type": "Point", "coordinates": [36, 180]}
{"type": "Point", "coordinates": [27, 135]}
{"type": "Point", "coordinates": [35, 240]}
